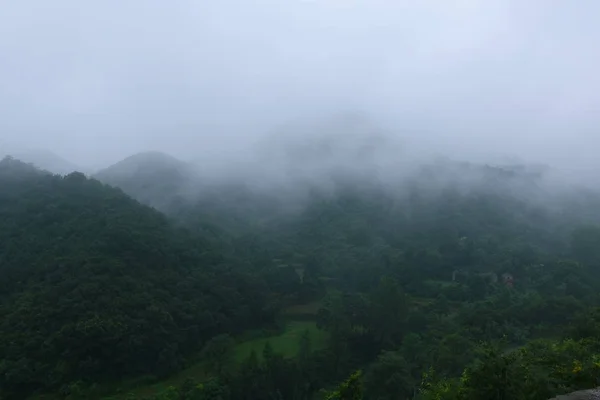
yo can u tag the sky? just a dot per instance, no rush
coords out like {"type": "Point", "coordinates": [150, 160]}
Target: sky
{"type": "Point", "coordinates": [95, 81]}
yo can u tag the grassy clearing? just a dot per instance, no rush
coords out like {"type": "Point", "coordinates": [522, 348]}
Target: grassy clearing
{"type": "Point", "coordinates": [286, 343]}
{"type": "Point", "coordinates": [300, 318]}
{"type": "Point", "coordinates": [195, 372]}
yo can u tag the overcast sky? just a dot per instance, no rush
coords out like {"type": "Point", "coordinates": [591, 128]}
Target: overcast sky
{"type": "Point", "coordinates": [95, 81]}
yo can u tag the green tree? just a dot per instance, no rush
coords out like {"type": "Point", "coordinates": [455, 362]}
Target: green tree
{"type": "Point", "coordinates": [217, 354]}
{"type": "Point", "coordinates": [389, 377]}
{"type": "Point", "coordinates": [350, 389]}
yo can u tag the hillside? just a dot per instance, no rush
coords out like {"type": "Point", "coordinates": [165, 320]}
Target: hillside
{"type": "Point", "coordinates": [95, 286]}
{"type": "Point", "coordinates": [153, 178]}
{"type": "Point", "coordinates": [454, 269]}
{"type": "Point", "coordinates": [433, 206]}
{"type": "Point", "coordinates": [437, 243]}
{"type": "Point", "coordinates": [43, 159]}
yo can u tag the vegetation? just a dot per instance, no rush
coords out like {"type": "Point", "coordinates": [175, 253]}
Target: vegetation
{"type": "Point", "coordinates": [95, 286]}
{"type": "Point", "coordinates": [459, 282]}
{"type": "Point", "coordinates": [287, 343]}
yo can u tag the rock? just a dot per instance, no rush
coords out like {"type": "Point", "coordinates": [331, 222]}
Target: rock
{"type": "Point", "coordinates": [593, 394]}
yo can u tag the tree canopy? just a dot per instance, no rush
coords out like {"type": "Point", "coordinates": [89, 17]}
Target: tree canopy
{"type": "Point", "coordinates": [458, 282]}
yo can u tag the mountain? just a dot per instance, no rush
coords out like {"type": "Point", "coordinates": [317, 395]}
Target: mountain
{"type": "Point", "coordinates": [317, 153]}
{"type": "Point", "coordinates": [440, 277]}
{"type": "Point", "coordinates": [14, 170]}
{"type": "Point", "coordinates": [154, 178]}
{"type": "Point", "coordinates": [43, 159]}
{"type": "Point", "coordinates": [95, 286]}
{"type": "Point", "coordinates": [298, 171]}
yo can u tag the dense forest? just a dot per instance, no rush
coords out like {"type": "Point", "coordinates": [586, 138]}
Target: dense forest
{"type": "Point", "coordinates": [457, 281]}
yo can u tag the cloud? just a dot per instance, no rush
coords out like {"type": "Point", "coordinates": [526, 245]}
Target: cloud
{"type": "Point", "coordinates": [96, 81]}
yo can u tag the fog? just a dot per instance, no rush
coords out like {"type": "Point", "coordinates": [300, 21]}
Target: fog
{"type": "Point", "coordinates": [206, 80]}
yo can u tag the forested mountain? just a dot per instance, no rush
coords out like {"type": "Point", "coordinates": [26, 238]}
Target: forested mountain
{"type": "Point", "coordinates": [405, 281]}
{"type": "Point", "coordinates": [95, 286]}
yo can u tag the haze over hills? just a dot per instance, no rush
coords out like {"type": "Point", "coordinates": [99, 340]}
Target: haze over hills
{"type": "Point", "coordinates": [153, 178]}
{"type": "Point", "coordinates": [41, 158]}
{"type": "Point", "coordinates": [348, 230]}
{"type": "Point", "coordinates": [324, 158]}
{"type": "Point", "coordinates": [286, 181]}
{"type": "Point", "coordinates": [425, 225]}
{"type": "Point", "coordinates": [345, 200]}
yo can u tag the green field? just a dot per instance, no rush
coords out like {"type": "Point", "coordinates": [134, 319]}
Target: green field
{"type": "Point", "coordinates": [286, 343]}
{"type": "Point", "coordinates": [195, 372]}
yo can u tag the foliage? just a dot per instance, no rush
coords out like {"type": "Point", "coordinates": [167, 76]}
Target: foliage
{"type": "Point", "coordinates": [462, 282]}
{"type": "Point", "coordinates": [350, 389]}
{"type": "Point", "coordinates": [94, 286]}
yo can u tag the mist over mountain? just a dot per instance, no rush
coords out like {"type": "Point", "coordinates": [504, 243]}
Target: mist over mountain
{"type": "Point", "coordinates": [326, 156]}
{"type": "Point", "coordinates": [343, 220]}
{"type": "Point", "coordinates": [41, 158]}
{"type": "Point", "coordinates": [153, 178]}
{"type": "Point", "coordinates": [299, 200]}
{"type": "Point", "coordinates": [279, 183]}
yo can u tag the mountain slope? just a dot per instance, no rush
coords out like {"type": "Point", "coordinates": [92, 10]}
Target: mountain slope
{"type": "Point", "coordinates": [153, 178]}
{"type": "Point", "coordinates": [336, 201]}
{"type": "Point", "coordinates": [43, 159]}
{"type": "Point", "coordinates": [95, 286]}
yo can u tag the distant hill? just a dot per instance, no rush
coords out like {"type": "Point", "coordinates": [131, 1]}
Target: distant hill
{"type": "Point", "coordinates": [154, 178]}
{"type": "Point", "coordinates": [296, 171]}
{"type": "Point", "coordinates": [43, 159]}
{"type": "Point", "coordinates": [15, 169]}
{"type": "Point", "coordinates": [317, 152]}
